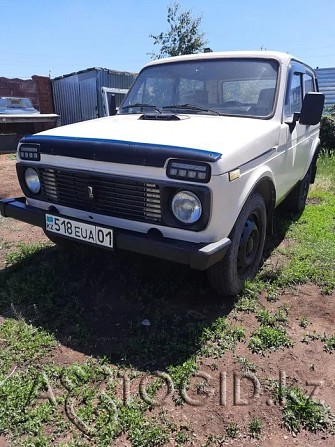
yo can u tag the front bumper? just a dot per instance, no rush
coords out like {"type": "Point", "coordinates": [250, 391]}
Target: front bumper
{"type": "Point", "coordinates": [199, 256]}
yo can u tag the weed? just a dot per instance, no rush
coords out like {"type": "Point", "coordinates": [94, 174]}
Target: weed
{"type": "Point", "coordinates": [303, 322]}
{"type": "Point", "coordinates": [312, 336]}
{"type": "Point", "coordinates": [182, 437]}
{"type": "Point", "coordinates": [221, 337]}
{"type": "Point", "coordinates": [213, 440]}
{"type": "Point", "coordinates": [246, 304]}
{"type": "Point", "coordinates": [299, 411]}
{"type": "Point", "coordinates": [271, 334]}
{"type": "Point", "coordinates": [232, 430]}
{"type": "Point", "coordinates": [214, 366]}
{"type": "Point", "coordinates": [255, 428]}
{"type": "Point", "coordinates": [246, 365]}
{"type": "Point", "coordinates": [248, 298]}
{"type": "Point", "coordinates": [269, 339]}
{"type": "Point", "coordinates": [329, 343]}
{"type": "Point", "coordinates": [201, 387]}
{"type": "Point", "coordinates": [277, 319]}
{"type": "Point", "coordinates": [272, 292]}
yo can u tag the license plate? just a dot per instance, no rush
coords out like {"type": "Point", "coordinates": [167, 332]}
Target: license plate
{"type": "Point", "coordinates": [78, 230]}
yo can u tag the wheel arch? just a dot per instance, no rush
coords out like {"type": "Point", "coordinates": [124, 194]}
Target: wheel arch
{"type": "Point", "coordinates": [263, 183]}
{"type": "Point", "coordinates": [313, 158]}
{"type": "Point", "coordinates": [266, 188]}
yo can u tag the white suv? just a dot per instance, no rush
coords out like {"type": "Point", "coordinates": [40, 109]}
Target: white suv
{"type": "Point", "coordinates": [202, 150]}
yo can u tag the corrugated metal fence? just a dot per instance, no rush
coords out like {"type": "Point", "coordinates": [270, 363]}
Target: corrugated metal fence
{"type": "Point", "coordinates": [326, 80]}
{"type": "Point", "coordinates": [78, 97]}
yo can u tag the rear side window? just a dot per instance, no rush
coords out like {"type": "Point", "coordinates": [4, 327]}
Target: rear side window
{"type": "Point", "coordinates": [308, 84]}
{"type": "Point", "coordinates": [293, 101]}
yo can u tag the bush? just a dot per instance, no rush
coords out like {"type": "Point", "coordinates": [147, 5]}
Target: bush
{"type": "Point", "coordinates": [327, 133]}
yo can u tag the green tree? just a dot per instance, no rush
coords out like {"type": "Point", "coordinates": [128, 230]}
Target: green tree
{"type": "Point", "coordinates": [183, 37]}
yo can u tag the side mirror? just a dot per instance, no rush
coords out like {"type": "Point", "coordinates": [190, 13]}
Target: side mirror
{"type": "Point", "coordinates": [312, 107]}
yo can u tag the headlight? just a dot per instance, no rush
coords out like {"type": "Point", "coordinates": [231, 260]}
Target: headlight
{"type": "Point", "coordinates": [32, 180]}
{"type": "Point", "coordinates": [29, 151]}
{"type": "Point", "coordinates": [186, 207]}
{"type": "Point", "coordinates": [191, 171]}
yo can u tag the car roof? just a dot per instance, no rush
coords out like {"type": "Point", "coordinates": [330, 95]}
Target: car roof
{"type": "Point", "coordinates": [283, 58]}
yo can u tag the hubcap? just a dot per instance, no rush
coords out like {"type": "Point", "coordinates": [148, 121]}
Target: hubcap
{"type": "Point", "coordinates": [249, 243]}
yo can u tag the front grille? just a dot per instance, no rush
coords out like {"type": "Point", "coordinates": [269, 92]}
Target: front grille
{"type": "Point", "coordinates": [111, 196]}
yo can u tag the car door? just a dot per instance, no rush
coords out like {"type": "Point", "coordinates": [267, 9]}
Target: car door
{"type": "Point", "coordinates": [299, 136]}
{"type": "Point", "coordinates": [286, 170]}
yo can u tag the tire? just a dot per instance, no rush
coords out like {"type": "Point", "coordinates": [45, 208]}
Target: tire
{"type": "Point", "coordinates": [296, 200]}
{"type": "Point", "coordinates": [243, 257]}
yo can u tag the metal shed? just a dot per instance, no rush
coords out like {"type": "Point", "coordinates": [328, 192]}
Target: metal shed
{"type": "Point", "coordinates": [326, 80]}
{"type": "Point", "coordinates": [81, 96]}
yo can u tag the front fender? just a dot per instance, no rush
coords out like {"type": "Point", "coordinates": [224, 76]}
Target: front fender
{"type": "Point", "coordinates": [229, 199]}
{"type": "Point", "coordinates": [253, 183]}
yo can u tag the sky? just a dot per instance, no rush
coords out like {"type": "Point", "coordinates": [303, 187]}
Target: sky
{"type": "Point", "coordinates": [52, 38]}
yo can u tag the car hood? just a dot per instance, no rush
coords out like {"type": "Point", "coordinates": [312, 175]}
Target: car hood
{"type": "Point", "coordinates": [234, 140]}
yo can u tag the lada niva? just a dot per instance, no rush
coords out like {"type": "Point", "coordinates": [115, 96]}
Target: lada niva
{"type": "Point", "coordinates": [190, 169]}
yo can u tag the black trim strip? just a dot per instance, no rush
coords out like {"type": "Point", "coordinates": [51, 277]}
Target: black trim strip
{"type": "Point", "coordinates": [124, 152]}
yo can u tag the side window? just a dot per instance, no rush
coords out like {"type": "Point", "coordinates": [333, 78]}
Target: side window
{"type": "Point", "coordinates": [293, 101]}
{"type": "Point", "coordinates": [308, 84]}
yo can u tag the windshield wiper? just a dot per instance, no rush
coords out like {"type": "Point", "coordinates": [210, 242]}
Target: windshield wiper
{"type": "Point", "coordinates": [140, 105]}
{"type": "Point", "coordinates": [192, 107]}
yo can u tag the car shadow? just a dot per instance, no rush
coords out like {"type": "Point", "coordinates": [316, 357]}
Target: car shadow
{"type": "Point", "coordinates": [132, 309]}
{"type": "Point", "coordinates": [282, 221]}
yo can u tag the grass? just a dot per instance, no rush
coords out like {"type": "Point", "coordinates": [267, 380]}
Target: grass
{"type": "Point", "coordinates": [277, 319]}
{"type": "Point", "coordinates": [95, 305]}
{"type": "Point", "coordinates": [271, 335]}
{"type": "Point", "coordinates": [266, 339]}
{"type": "Point", "coordinates": [312, 260]}
{"type": "Point", "coordinates": [329, 341]}
{"type": "Point", "coordinates": [246, 365]}
{"type": "Point", "coordinates": [299, 411]}
{"type": "Point", "coordinates": [23, 252]}
{"type": "Point", "coordinates": [325, 179]}
{"type": "Point", "coordinates": [221, 337]}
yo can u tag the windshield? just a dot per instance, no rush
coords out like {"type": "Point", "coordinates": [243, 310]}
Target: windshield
{"type": "Point", "coordinates": [242, 87]}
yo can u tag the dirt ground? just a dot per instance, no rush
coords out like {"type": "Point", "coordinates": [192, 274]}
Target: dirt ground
{"type": "Point", "coordinates": [304, 364]}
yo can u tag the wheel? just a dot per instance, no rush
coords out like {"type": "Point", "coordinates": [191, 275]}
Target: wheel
{"type": "Point", "coordinates": [296, 200]}
{"type": "Point", "coordinates": [243, 257]}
